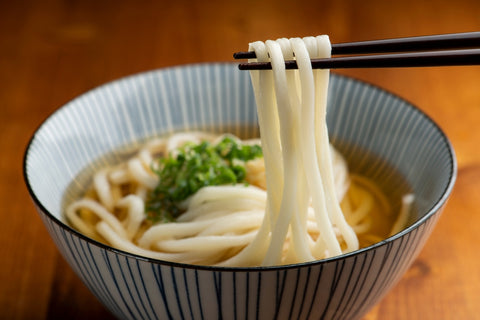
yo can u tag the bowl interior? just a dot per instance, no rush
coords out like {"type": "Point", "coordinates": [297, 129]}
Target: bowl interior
{"type": "Point", "coordinates": [381, 135]}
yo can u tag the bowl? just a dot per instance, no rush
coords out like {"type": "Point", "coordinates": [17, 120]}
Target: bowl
{"type": "Point", "coordinates": [90, 131]}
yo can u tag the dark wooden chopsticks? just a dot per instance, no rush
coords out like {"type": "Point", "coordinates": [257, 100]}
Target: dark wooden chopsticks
{"type": "Point", "coordinates": [424, 51]}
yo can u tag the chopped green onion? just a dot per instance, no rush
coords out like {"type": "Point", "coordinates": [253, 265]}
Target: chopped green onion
{"type": "Point", "coordinates": [196, 166]}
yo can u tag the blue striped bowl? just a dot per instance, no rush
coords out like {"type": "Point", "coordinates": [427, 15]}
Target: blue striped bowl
{"type": "Point", "coordinates": [392, 137]}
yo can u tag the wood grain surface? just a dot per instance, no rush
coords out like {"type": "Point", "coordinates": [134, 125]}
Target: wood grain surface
{"type": "Point", "coordinates": [54, 50]}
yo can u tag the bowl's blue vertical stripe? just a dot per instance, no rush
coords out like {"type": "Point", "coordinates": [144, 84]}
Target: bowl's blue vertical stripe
{"type": "Point", "coordinates": [333, 286]}
{"type": "Point", "coordinates": [177, 293]}
{"type": "Point", "coordinates": [118, 290]}
{"type": "Point", "coordinates": [280, 288]}
{"type": "Point", "coordinates": [258, 296]}
{"type": "Point", "coordinates": [294, 297]}
{"type": "Point", "coordinates": [305, 291]}
{"type": "Point", "coordinates": [100, 289]}
{"type": "Point", "coordinates": [235, 295]}
{"type": "Point", "coordinates": [137, 295]}
{"type": "Point", "coordinates": [201, 100]}
{"type": "Point", "coordinates": [342, 300]}
{"type": "Point", "coordinates": [247, 286]}
{"type": "Point", "coordinates": [360, 283]}
{"type": "Point", "coordinates": [315, 292]}
{"type": "Point", "coordinates": [347, 301]}
{"type": "Point", "coordinates": [157, 272]}
{"type": "Point", "coordinates": [218, 94]}
{"type": "Point", "coordinates": [145, 295]}
{"type": "Point", "coordinates": [236, 101]}
{"type": "Point", "coordinates": [187, 293]}
{"type": "Point", "coordinates": [217, 279]}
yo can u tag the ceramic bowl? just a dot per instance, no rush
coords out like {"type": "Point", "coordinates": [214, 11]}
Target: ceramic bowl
{"type": "Point", "coordinates": [382, 135]}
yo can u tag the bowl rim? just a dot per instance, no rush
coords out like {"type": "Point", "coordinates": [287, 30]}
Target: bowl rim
{"type": "Point", "coordinates": [436, 207]}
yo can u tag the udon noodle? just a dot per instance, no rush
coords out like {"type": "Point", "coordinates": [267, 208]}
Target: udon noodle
{"type": "Point", "coordinates": [299, 202]}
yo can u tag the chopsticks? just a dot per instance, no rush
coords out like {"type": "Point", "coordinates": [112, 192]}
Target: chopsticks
{"type": "Point", "coordinates": [436, 50]}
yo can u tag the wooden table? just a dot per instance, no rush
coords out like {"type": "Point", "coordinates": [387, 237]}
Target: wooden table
{"type": "Point", "coordinates": [52, 51]}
